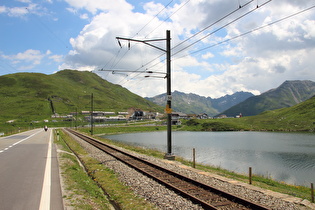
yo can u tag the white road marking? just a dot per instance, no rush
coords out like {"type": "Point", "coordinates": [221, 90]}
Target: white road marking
{"type": "Point", "coordinates": [19, 141]}
{"type": "Point", "coordinates": [45, 198]}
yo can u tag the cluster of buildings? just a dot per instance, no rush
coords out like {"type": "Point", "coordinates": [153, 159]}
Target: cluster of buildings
{"type": "Point", "coordinates": [102, 116]}
{"type": "Point", "coordinates": [131, 114]}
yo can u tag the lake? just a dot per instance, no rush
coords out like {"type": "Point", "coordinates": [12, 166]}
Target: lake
{"type": "Point", "coordinates": [287, 157]}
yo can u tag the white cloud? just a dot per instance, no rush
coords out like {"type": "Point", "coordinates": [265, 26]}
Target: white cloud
{"type": "Point", "coordinates": [84, 16]}
{"type": "Point", "coordinates": [56, 58]}
{"type": "Point", "coordinates": [24, 1]}
{"type": "Point", "coordinates": [3, 9]}
{"type": "Point", "coordinates": [256, 62]}
{"type": "Point", "coordinates": [100, 5]}
{"type": "Point", "coordinates": [30, 55]}
{"type": "Point", "coordinates": [17, 11]}
{"type": "Point", "coordinates": [31, 58]}
{"type": "Point", "coordinates": [22, 11]}
{"type": "Point", "coordinates": [207, 55]}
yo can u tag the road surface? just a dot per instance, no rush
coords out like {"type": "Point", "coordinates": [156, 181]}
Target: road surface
{"type": "Point", "coordinates": [29, 174]}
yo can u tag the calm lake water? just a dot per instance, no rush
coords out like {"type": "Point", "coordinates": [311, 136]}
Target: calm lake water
{"type": "Point", "coordinates": [288, 157]}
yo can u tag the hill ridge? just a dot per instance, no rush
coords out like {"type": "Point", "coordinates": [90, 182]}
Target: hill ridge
{"type": "Point", "coordinates": [25, 95]}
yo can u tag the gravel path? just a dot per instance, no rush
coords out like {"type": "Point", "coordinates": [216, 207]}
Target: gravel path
{"type": "Point", "coordinates": [164, 198]}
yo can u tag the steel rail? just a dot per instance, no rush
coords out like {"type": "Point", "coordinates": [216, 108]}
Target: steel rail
{"type": "Point", "coordinates": [207, 196]}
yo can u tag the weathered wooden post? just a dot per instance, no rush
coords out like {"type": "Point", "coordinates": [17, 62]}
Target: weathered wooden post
{"type": "Point", "coordinates": [312, 192]}
{"type": "Point", "coordinates": [194, 158]}
{"type": "Point", "coordinates": [250, 175]}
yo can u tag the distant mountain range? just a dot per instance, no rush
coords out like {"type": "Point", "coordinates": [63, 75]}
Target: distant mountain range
{"type": "Point", "coordinates": [286, 95]}
{"type": "Point", "coordinates": [195, 104]}
{"type": "Point", "coordinates": [30, 96]}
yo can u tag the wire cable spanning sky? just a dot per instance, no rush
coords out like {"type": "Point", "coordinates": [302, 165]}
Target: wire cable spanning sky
{"type": "Point", "coordinates": [218, 47]}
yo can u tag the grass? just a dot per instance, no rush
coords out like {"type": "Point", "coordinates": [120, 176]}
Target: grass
{"type": "Point", "coordinates": [123, 129]}
{"type": "Point", "coordinates": [86, 188]}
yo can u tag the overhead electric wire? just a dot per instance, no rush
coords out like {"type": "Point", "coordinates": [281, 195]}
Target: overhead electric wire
{"type": "Point", "coordinates": [168, 17]}
{"type": "Point", "coordinates": [140, 72]}
{"type": "Point", "coordinates": [153, 18]}
{"type": "Point", "coordinates": [160, 24]}
{"type": "Point", "coordinates": [9, 65]}
{"type": "Point", "coordinates": [212, 24]}
{"type": "Point", "coordinates": [251, 31]}
{"type": "Point", "coordinates": [247, 13]}
{"type": "Point", "coordinates": [157, 27]}
{"type": "Point", "coordinates": [229, 23]}
{"type": "Point", "coordinates": [216, 29]}
{"type": "Point", "coordinates": [112, 58]}
{"type": "Point", "coordinates": [48, 29]}
{"type": "Point", "coordinates": [116, 63]}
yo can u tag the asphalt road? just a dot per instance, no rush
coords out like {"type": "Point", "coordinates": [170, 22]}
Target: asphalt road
{"type": "Point", "coordinates": [29, 175]}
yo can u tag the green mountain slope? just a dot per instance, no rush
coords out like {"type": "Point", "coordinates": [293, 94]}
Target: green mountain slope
{"type": "Point", "coordinates": [25, 96]}
{"type": "Point", "coordinates": [286, 95]}
{"type": "Point", "coordinates": [300, 117]}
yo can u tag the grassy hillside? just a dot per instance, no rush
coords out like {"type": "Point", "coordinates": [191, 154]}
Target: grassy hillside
{"type": "Point", "coordinates": [300, 117]}
{"type": "Point", "coordinates": [25, 96]}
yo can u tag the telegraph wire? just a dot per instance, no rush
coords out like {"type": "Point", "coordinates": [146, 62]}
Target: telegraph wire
{"type": "Point", "coordinates": [9, 65]}
{"type": "Point", "coordinates": [258, 6]}
{"type": "Point", "coordinates": [168, 18]}
{"type": "Point", "coordinates": [153, 18]}
{"type": "Point", "coordinates": [249, 32]}
{"type": "Point", "coordinates": [159, 62]}
{"type": "Point", "coordinates": [212, 24]}
{"type": "Point", "coordinates": [116, 63]}
{"type": "Point", "coordinates": [240, 6]}
{"type": "Point", "coordinates": [48, 29]}
{"type": "Point", "coordinates": [159, 24]}
{"type": "Point", "coordinates": [142, 66]}
{"type": "Point", "coordinates": [236, 19]}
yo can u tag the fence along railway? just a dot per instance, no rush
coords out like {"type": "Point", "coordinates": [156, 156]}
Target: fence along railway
{"type": "Point", "coordinates": [204, 195]}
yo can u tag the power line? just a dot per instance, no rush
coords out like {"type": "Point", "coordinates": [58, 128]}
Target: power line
{"type": "Point", "coordinates": [48, 29]}
{"type": "Point", "coordinates": [154, 18]}
{"type": "Point", "coordinates": [224, 17]}
{"type": "Point", "coordinates": [229, 23]}
{"type": "Point", "coordinates": [115, 64]}
{"type": "Point", "coordinates": [162, 21]}
{"type": "Point", "coordinates": [251, 31]}
{"type": "Point", "coordinates": [168, 17]}
{"type": "Point", "coordinates": [9, 65]}
{"type": "Point", "coordinates": [212, 24]}
{"type": "Point", "coordinates": [159, 62]}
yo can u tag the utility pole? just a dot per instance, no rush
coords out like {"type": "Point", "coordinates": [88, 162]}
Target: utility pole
{"type": "Point", "coordinates": [91, 116]}
{"type": "Point", "coordinates": [169, 154]}
{"type": "Point", "coordinates": [76, 118]}
{"type": "Point", "coordinates": [168, 109]}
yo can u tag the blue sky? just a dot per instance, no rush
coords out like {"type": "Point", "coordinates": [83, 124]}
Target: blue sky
{"type": "Point", "coordinates": [50, 35]}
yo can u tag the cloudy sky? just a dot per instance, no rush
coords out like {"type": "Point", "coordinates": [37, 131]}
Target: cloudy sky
{"type": "Point", "coordinates": [218, 46]}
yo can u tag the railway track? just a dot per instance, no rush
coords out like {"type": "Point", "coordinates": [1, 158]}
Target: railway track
{"type": "Point", "coordinates": [204, 195]}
